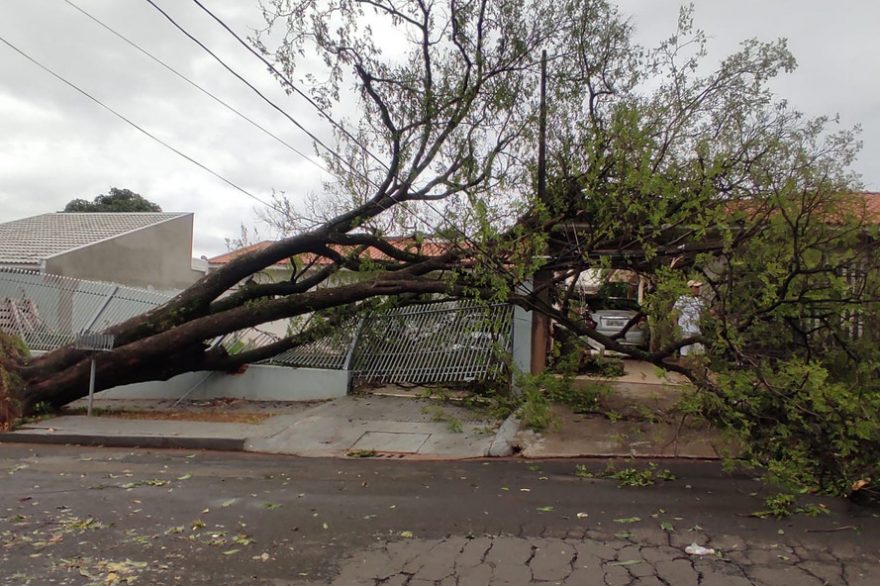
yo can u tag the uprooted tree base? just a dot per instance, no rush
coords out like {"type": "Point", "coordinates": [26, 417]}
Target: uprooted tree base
{"type": "Point", "coordinates": [13, 354]}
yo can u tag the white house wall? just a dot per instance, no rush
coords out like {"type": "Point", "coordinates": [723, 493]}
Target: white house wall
{"type": "Point", "coordinates": [158, 257]}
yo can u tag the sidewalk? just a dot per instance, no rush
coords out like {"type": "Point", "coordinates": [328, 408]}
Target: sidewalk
{"type": "Point", "coordinates": [398, 426]}
{"type": "Point", "coordinates": [352, 425]}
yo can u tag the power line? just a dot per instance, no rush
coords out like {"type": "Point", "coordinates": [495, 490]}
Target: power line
{"type": "Point", "coordinates": [134, 125]}
{"type": "Point", "coordinates": [175, 150]}
{"type": "Point", "coordinates": [403, 205]}
{"type": "Point", "coordinates": [204, 167]}
{"type": "Point", "coordinates": [310, 101]}
{"type": "Point", "coordinates": [194, 84]}
{"type": "Point", "coordinates": [318, 141]}
{"type": "Point", "coordinates": [286, 81]}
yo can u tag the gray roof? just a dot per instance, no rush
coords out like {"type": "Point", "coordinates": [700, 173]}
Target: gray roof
{"type": "Point", "coordinates": [30, 240]}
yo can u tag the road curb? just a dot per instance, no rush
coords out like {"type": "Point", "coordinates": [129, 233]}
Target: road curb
{"type": "Point", "coordinates": [123, 441]}
{"type": "Point", "coordinates": [502, 445]}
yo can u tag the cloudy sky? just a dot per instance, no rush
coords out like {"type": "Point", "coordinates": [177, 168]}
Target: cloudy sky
{"type": "Point", "coordinates": [56, 144]}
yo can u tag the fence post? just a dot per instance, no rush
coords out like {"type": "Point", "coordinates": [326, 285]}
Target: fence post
{"type": "Point", "coordinates": [91, 388]}
{"type": "Point", "coordinates": [349, 356]}
{"type": "Point", "coordinates": [89, 326]}
{"type": "Point", "coordinates": [86, 340]}
{"type": "Point", "coordinates": [521, 352]}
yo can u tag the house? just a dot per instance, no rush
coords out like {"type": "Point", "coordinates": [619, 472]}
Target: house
{"type": "Point", "coordinates": [151, 250]}
{"type": "Point", "coordinates": [283, 270]}
{"type": "Point", "coordinates": [280, 271]}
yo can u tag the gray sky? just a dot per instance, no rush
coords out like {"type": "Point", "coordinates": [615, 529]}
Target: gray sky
{"type": "Point", "coordinates": [56, 145]}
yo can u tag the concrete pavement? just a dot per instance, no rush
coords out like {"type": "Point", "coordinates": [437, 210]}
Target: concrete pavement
{"type": "Point", "coordinates": [401, 424]}
{"type": "Point", "coordinates": [352, 425]}
{"type": "Point", "coordinates": [380, 426]}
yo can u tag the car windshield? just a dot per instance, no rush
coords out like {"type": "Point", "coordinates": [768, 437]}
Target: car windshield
{"type": "Point", "coordinates": [614, 303]}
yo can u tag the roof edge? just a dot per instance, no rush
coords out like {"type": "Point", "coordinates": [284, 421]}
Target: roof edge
{"type": "Point", "coordinates": [177, 216]}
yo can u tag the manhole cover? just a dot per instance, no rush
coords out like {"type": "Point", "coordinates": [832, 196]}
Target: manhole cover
{"type": "Point", "coordinates": [388, 441]}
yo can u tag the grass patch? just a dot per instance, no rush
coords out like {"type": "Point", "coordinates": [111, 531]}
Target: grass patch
{"type": "Point", "coordinates": [438, 414]}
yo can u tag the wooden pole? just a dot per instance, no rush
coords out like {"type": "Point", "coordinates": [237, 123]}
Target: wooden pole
{"type": "Point", "coordinates": [543, 279]}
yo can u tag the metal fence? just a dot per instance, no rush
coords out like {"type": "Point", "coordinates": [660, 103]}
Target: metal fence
{"type": "Point", "coordinates": [432, 343]}
{"type": "Point", "coordinates": [48, 311]}
{"type": "Point", "coordinates": [331, 352]}
{"type": "Point", "coordinates": [853, 322]}
{"type": "Point", "coordinates": [452, 342]}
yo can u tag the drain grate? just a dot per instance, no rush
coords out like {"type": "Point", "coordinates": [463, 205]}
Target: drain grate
{"type": "Point", "coordinates": [390, 441]}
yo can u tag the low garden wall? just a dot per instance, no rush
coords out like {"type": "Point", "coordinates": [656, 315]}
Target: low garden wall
{"type": "Point", "coordinates": [258, 383]}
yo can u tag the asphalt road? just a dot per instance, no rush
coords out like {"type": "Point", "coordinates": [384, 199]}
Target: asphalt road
{"type": "Point", "coordinates": [112, 516]}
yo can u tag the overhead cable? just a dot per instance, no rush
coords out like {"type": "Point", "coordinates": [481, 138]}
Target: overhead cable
{"type": "Point", "coordinates": [195, 85]}
{"type": "Point", "coordinates": [286, 81]}
{"type": "Point", "coordinates": [311, 135]}
{"type": "Point", "coordinates": [136, 126]}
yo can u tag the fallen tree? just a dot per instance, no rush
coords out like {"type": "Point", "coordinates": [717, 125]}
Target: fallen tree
{"type": "Point", "coordinates": [654, 167]}
{"type": "Point", "coordinates": [436, 123]}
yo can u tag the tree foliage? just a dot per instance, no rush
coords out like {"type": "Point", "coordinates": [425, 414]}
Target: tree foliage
{"type": "Point", "coordinates": [118, 200]}
{"type": "Point", "coordinates": [794, 344]}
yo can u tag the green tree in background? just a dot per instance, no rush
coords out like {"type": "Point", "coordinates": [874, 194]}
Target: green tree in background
{"type": "Point", "coordinates": [118, 200]}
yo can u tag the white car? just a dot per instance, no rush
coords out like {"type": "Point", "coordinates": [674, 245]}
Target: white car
{"type": "Point", "coordinates": [610, 315]}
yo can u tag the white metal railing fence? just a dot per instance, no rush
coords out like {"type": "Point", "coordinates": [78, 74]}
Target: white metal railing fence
{"type": "Point", "coordinates": [330, 352]}
{"type": "Point", "coordinates": [48, 311]}
{"type": "Point", "coordinates": [458, 341]}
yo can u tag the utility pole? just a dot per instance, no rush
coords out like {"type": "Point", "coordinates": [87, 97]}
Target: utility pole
{"type": "Point", "coordinates": [543, 279]}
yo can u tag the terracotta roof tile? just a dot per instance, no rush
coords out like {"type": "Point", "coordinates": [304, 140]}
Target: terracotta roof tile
{"type": "Point", "coordinates": [863, 205]}
{"type": "Point", "coordinates": [428, 248]}
{"type": "Point", "coordinates": [872, 205]}
{"type": "Point", "coordinates": [224, 258]}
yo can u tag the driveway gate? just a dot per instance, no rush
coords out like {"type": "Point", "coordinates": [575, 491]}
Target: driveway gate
{"type": "Point", "coordinates": [456, 341]}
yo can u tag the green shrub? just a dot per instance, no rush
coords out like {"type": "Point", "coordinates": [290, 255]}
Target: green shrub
{"type": "Point", "coordinates": [601, 366]}
{"type": "Point", "coordinates": [535, 410]}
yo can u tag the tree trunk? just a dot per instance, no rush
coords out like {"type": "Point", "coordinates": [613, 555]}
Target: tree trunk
{"type": "Point", "coordinates": [62, 376]}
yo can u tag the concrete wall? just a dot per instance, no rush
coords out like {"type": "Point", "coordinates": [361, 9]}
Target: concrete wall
{"type": "Point", "coordinates": [521, 353]}
{"type": "Point", "coordinates": [258, 383]}
{"type": "Point", "coordinates": [158, 256]}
